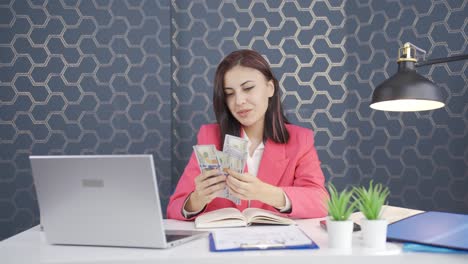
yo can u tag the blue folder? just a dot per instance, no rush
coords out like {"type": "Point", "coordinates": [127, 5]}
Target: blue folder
{"type": "Point", "coordinates": [438, 229]}
{"type": "Point", "coordinates": [213, 248]}
{"type": "Point", "coordinates": [413, 247]}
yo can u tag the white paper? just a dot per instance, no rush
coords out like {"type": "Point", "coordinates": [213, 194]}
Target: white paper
{"type": "Point", "coordinates": [261, 236]}
{"type": "Point", "coordinates": [389, 213]}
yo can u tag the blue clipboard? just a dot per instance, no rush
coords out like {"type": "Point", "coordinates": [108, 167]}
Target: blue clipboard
{"type": "Point", "coordinates": [213, 248]}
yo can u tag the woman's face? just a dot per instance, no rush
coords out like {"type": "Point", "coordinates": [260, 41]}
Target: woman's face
{"type": "Point", "coordinates": [247, 92]}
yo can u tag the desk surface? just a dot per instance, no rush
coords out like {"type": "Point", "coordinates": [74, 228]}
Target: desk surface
{"type": "Point", "coordinates": [30, 247]}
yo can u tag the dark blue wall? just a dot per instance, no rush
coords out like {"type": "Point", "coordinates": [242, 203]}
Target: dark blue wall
{"type": "Point", "coordinates": [100, 77]}
{"type": "Point", "coordinates": [329, 56]}
{"type": "Point", "coordinates": [83, 78]}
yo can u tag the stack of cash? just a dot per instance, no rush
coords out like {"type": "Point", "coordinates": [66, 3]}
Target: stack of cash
{"type": "Point", "coordinates": [233, 156]}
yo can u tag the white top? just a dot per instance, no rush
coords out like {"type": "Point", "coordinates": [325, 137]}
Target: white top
{"type": "Point", "coordinates": [253, 163]}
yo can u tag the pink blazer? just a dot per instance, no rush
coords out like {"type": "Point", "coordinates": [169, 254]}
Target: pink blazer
{"type": "Point", "coordinates": [294, 166]}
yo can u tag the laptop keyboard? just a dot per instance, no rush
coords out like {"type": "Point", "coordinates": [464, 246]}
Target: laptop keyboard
{"type": "Point", "coordinates": [170, 238]}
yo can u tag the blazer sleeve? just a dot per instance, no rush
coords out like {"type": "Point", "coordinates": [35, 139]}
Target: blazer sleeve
{"type": "Point", "coordinates": [307, 194]}
{"type": "Point", "coordinates": [186, 184]}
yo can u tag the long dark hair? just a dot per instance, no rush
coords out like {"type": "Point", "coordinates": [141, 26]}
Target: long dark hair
{"type": "Point", "coordinates": [275, 121]}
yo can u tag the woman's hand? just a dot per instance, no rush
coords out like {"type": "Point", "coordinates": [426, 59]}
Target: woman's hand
{"type": "Point", "coordinates": [207, 185]}
{"type": "Point", "coordinates": [248, 187]}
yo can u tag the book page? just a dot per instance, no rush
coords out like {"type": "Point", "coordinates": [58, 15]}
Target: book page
{"type": "Point", "coordinates": [261, 236]}
{"type": "Point", "coordinates": [390, 213]}
{"type": "Point", "coordinates": [221, 218]}
{"type": "Point", "coordinates": [260, 216]}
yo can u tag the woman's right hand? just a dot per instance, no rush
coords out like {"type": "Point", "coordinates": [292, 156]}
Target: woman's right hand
{"type": "Point", "coordinates": [207, 186]}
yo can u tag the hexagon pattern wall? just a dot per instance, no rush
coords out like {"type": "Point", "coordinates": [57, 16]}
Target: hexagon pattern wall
{"type": "Point", "coordinates": [80, 77]}
{"type": "Point", "coordinates": [329, 56]}
{"type": "Point", "coordinates": [85, 77]}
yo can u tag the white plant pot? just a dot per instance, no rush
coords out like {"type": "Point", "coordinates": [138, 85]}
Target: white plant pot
{"type": "Point", "coordinates": [374, 233]}
{"type": "Point", "coordinates": [340, 233]}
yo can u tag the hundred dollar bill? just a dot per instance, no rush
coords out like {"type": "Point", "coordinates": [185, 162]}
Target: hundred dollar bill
{"type": "Point", "coordinates": [223, 159]}
{"type": "Point", "coordinates": [235, 146]}
{"type": "Point", "coordinates": [236, 150]}
{"type": "Point", "coordinates": [227, 161]}
{"type": "Point", "coordinates": [209, 158]}
{"type": "Point", "coordinates": [237, 164]}
{"type": "Point", "coordinates": [206, 156]}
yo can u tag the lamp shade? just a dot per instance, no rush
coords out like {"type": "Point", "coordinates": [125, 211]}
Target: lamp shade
{"type": "Point", "coordinates": [407, 91]}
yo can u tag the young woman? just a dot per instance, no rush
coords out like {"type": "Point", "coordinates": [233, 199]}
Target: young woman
{"type": "Point", "coordinates": [283, 170]}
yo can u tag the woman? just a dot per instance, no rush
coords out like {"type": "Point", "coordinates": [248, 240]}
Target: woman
{"type": "Point", "coordinates": [283, 170]}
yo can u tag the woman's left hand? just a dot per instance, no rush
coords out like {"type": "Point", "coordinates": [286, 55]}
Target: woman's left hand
{"type": "Point", "coordinates": [245, 186]}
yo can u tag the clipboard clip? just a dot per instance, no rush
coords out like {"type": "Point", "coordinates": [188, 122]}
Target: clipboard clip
{"type": "Point", "coordinates": [263, 245]}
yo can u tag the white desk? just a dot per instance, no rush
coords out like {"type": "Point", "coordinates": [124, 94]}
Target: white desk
{"type": "Point", "coordinates": [30, 247]}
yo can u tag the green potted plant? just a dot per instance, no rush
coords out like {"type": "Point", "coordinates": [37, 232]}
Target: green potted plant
{"type": "Point", "coordinates": [339, 227]}
{"type": "Point", "coordinates": [370, 202]}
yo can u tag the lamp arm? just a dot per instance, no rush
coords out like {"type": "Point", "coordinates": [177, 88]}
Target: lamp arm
{"type": "Point", "coordinates": [442, 60]}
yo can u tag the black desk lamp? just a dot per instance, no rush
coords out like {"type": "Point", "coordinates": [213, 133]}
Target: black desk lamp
{"type": "Point", "coordinates": [407, 91]}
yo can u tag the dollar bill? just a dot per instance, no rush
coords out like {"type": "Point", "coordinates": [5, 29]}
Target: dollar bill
{"type": "Point", "coordinates": [235, 146]}
{"type": "Point", "coordinates": [206, 157]}
{"type": "Point", "coordinates": [236, 150]}
{"type": "Point", "coordinates": [223, 159]}
{"type": "Point", "coordinates": [237, 164]}
{"type": "Point", "coordinates": [233, 156]}
{"type": "Point", "coordinates": [230, 162]}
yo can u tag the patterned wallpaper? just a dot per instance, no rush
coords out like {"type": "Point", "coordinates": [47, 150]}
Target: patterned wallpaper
{"type": "Point", "coordinates": [80, 77]}
{"type": "Point", "coordinates": [328, 57]}
{"type": "Point", "coordinates": [116, 76]}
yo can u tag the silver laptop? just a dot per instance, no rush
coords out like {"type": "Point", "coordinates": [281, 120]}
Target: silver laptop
{"type": "Point", "coordinates": [102, 200]}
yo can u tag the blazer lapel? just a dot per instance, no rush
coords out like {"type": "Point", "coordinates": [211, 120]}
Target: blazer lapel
{"type": "Point", "coordinates": [273, 163]}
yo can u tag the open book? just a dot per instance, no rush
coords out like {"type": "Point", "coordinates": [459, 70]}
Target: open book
{"type": "Point", "coordinates": [389, 213]}
{"type": "Point", "coordinates": [232, 217]}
